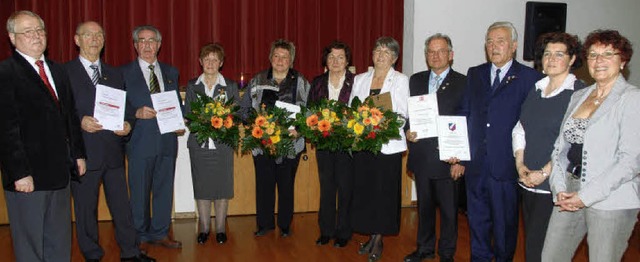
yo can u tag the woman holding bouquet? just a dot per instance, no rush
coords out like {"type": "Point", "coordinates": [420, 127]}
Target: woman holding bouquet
{"type": "Point", "coordinates": [211, 162]}
{"type": "Point", "coordinates": [278, 83]}
{"type": "Point", "coordinates": [334, 168]}
{"type": "Point", "coordinates": [376, 192]}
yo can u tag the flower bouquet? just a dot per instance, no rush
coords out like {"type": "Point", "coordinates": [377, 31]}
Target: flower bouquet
{"type": "Point", "coordinates": [268, 132]}
{"type": "Point", "coordinates": [322, 125]}
{"type": "Point", "coordinates": [370, 126]}
{"type": "Point", "coordinates": [214, 118]}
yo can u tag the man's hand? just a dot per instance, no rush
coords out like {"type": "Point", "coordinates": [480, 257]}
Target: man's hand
{"type": "Point", "coordinates": [411, 136]}
{"type": "Point", "coordinates": [452, 160]}
{"type": "Point", "coordinates": [82, 166]}
{"type": "Point", "coordinates": [180, 132]}
{"type": "Point", "coordinates": [90, 124]}
{"type": "Point", "coordinates": [145, 112]}
{"type": "Point", "coordinates": [569, 201]}
{"type": "Point", "coordinates": [125, 131]}
{"type": "Point", "coordinates": [24, 184]}
{"type": "Point", "coordinates": [457, 171]}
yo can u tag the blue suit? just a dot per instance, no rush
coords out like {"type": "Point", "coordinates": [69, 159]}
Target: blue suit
{"type": "Point", "coordinates": [151, 156]}
{"type": "Point", "coordinates": [491, 178]}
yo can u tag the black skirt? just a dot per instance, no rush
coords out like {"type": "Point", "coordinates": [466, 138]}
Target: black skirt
{"type": "Point", "coordinates": [375, 208]}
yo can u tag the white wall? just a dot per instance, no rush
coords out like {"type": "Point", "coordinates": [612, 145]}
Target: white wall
{"type": "Point", "coordinates": [466, 22]}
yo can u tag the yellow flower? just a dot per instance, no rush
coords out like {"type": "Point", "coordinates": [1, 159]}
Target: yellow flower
{"type": "Point", "coordinates": [270, 131]}
{"type": "Point", "coordinates": [374, 120]}
{"type": "Point", "coordinates": [358, 128]}
{"type": "Point", "coordinates": [326, 113]}
{"type": "Point", "coordinates": [351, 123]}
{"type": "Point", "coordinates": [275, 139]}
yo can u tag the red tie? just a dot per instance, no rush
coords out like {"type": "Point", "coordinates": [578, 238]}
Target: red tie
{"type": "Point", "coordinates": [45, 79]}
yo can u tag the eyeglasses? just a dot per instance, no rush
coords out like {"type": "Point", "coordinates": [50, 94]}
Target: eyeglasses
{"type": "Point", "coordinates": [380, 52]}
{"type": "Point", "coordinates": [605, 55]}
{"type": "Point", "coordinates": [437, 52]}
{"type": "Point", "coordinates": [556, 55]}
{"type": "Point", "coordinates": [98, 35]}
{"type": "Point", "coordinates": [147, 41]}
{"type": "Point", "coordinates": [33, 32]}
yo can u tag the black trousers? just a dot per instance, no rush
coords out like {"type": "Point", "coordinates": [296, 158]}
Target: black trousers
{"type": "Point", "coordinates": [269, 174]}
{"type": "Point", "coordinates": [335, 170]}
{"type": "Point", "coordinates": [536, 212]}
{"type": "Point", "coordinates": [85, 195]}
{"type": "Point", "coordinates": [432, 193]}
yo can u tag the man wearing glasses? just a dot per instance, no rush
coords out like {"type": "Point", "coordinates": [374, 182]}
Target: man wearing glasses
{"type": "Point", "coordinates": [151, 155]}
{"type": "Point", "coordinates": [105, 152]}
{"type": "Point", "coordinates": [40, 144]}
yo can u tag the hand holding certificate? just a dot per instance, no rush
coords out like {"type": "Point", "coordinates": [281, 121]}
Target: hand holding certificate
{"type": "Point", "coordinates": [168, 112]}
{"type": "Point", "coordinates": [453, 140]}
{"type": "Point", "coordinates": [109, 107]}
{"type": "Point", "coordinates": [423, 114]}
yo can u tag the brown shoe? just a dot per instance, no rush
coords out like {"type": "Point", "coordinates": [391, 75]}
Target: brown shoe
{"type": "Point", "coordinates": [167, 242]}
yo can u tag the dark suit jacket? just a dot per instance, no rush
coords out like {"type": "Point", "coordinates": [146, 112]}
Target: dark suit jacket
{"type": "Point", "coordinates": [231, 91]}
{"type": "Point", "coordinates": [37, 138]}
{"type": "Point", "coordinates": [491, 117]}
{"type": "Point", "coordinates": [321, 83]}
{"type": "Point", "coordinates": [146, 140]}
{"type": "Point", "coordinates": [424, 157]}
{"type": "Point", "coordinates": [104, 148]}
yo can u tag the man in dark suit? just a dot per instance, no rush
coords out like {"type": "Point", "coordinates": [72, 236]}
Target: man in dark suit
{"type": "Point", "coordinates": [493, 95]}
{"type": "Point", "coordinates": [40, 144]}
{"type": "Point", "coordinates": [105, 152]}
{"type": "Point", "coordinates": [435, 180]}
{"type": "Point", "coordinates": [151, 155]}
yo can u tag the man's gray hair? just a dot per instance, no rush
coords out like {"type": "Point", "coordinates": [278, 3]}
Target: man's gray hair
{"type": "Point", "coordinates": [507, 25]}
{"type": "Point", "coordinates": [11, 22]}
{"type": "Point", "coordinates": [438, 36]}
{"type": "Point", "coordinates": [137, 30]}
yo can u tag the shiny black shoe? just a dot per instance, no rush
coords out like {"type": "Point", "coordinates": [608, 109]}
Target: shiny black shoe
{"type": "Point", "coordinates": [202, 238]}
{"type": "Point", "coordinates": [284, 232]}
{"type": "Point", "coordinates": [221, 238]}
{"type": "Point", "coordinates": [365, 248]}
{"type": "Point", "coordinates": [340, 242]}
{"type": "Point", "coordinates": [418, 256]}
{"type": "Point", "coordinates": [322, 240]}
{"type": "Point", "coordinates": [139, 258]}
{"type": "Point", "coordinates": [262, 231]}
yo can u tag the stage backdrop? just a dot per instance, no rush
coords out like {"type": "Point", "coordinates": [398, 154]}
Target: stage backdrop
{"type": "Point", "coordinates": [245, 28]}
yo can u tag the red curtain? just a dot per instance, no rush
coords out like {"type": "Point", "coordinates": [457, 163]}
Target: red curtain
{"type": "Point", "coordinates": [245, 28]}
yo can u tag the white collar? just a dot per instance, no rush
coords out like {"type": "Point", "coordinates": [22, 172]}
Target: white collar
{"type": "Point", "coordinates": [542, 84]}
{"type": "Point", "coordinates": [220, 81]}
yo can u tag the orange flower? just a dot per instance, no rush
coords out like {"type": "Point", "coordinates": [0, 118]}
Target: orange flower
{"type": "Point", "coordinates": [260, 121]}
{"type": "Point", "coordinates": [216, 122]}
{"type": "Point", "coordinates": [228, 122]}
{"type": "Point", "coordinates": [376, 113]}
{"type": "Point", "coordinates": [312, 120]}
{"type": "Point", "coordinates": [366, 121]}
{"type": "Point", "coordinates": [257, 132]}
{"type": "Point", "coordinates": [324, 125]}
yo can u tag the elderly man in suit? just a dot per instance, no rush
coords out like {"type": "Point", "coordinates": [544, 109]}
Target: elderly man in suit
{"type": "Point", "coordinates": [105, 151]}
{"type": "Point", "coordinates": [435, 179]}
{"type": "Point", "coordinates": [40, 144]}
{"type": "Point", "coordinates": [491, 103]}
{"type": "Point", "coordinates": [151, 155]}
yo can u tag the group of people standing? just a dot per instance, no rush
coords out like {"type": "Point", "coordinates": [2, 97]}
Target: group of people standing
{"type": "Point", "coordinates": [526, 130]}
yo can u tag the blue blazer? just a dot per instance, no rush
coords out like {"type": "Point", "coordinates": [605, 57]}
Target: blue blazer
{"type": "Point", "coordinates": [491, 117]}
{"type": "Point", "coordinates": [146, 140]}
{"type": "Point", "coordinates": [105, 149]}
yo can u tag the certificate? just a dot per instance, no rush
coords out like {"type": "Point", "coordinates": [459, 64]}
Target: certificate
{"type": "Point", "coordinates": [294, 109]}
{"type": "Point", "coordinates": [453, 140]}
{"type": "Point", "coordinates": [109, 107]}
{"type": "Point", "coordinates": [423, 114]}
{"type": "Point", "coordinates": [168, 112]}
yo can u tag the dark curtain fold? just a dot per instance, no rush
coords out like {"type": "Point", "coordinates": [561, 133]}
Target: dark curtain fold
{"type": "Point", "coordinates": [245, 28]}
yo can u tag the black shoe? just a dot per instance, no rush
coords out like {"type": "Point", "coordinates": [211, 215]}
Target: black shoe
{"type": "Point", "coordinates": [376, 253]}
{"type": "Point", "coordinates": [221, 238]}
{"type": "Point", "coordinates": [202, 238]}
{"type": "Point", "coordinates": [139, 258]}
{"type": "Point", "coordinates": [284, 232]}
{"type": "Point", "coordinates": [418, 256]}
{"type": "Point", "coordinates": [322, 240]}
{"type": "Point", "coordinates": [446, 259]}
{"type": "Point", "coordinates": [365, 248]}
{"type": "Point", "coordinates": [262, 231]}
{"type": "Point", "coordinates": [340, 242]}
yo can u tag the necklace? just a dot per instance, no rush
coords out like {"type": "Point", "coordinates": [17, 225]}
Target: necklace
{"type": "Point", "coordinates": [599, 99]}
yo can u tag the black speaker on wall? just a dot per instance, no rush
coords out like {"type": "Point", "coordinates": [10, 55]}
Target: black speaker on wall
{"type": "Point", "coordinates": [542, 17]}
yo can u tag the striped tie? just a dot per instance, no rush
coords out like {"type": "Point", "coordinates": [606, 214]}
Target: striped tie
{"type": "Point", "coordinates": [96, 74]}
{"type": "Point", "coordinates": [154, 86]}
